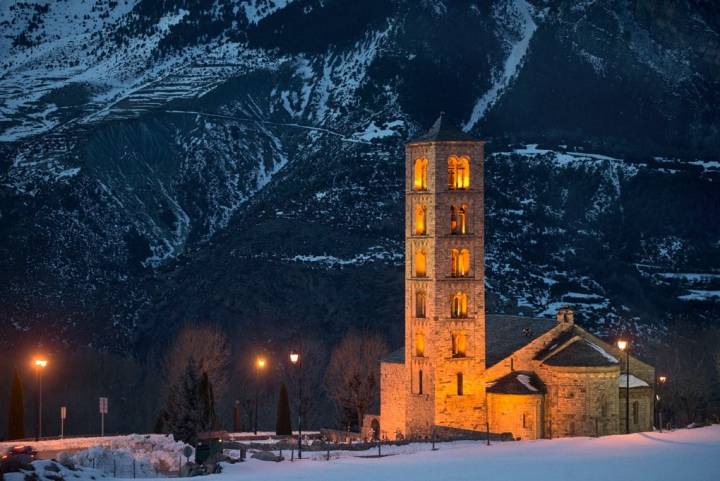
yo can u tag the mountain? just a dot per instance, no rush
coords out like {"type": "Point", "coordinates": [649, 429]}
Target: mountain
{"type": "Point", "coordinates": [241, 162]}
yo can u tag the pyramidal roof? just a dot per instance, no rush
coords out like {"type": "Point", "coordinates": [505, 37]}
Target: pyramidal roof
{"type": "Point", "coordinates": [443, 131]}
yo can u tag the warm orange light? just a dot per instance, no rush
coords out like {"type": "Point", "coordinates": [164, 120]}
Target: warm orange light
{"type": "Point", "coordinates": [40, 362]}
{"type": "Point", "coordinates": [260, 362]}
{"type": "Point", "coordinates": [420, 174]}
{"type": "Point", "coordinates": [662, 379]}
{"type": "Point", "coordinates": [420, 264]}
{"type": "Point", "coordinates": [622, 345]}
{"type": "Point", "coordinates": [294, 357]}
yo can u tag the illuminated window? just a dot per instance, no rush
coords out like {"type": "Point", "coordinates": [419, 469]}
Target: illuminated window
{"type": "Point", "coordinates": [420, 301]}
{"type": "Point", "coordinates": [459, 384]}
{"type": "Point", "coordinates": [458, 220]}
{"type": "Point", "coordinates": [420, 263]}
{"type": "Point", "coordinates": [458, 344]}
{"type": "Point", "coordinates": [458, 172]}
{"type": "Point", "coordinates": [460, 262]}
{"type": "Point", "coordinates": [419, 344]}
{"type": "Point", "coordinates": [420, 219]}
{"type": "Point", "coordinates": [420, 174]}
{"type": "Point", "coordinates": [459, 305]}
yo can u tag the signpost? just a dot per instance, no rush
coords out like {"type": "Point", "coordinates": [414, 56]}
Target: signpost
{"type": "Point", "coordinates": [63, 415]}
{"type": "Point", "coordinates": [103, 412]}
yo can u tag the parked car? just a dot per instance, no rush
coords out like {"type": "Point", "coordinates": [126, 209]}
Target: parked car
{"type": "Point", "coordinates": [26, 451]}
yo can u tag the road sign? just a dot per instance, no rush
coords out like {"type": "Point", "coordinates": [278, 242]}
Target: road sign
{"type": "Point", "coordinates": [103, 405]}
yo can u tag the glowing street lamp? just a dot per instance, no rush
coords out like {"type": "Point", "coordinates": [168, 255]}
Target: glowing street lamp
{"type": "Point", "coordinates": [259, 365]}
{"type": "Point", "coordinates": [39, 364]}
{"type": "Point", "coordinates": [624, 346]}
{"type": "Point", "coordinates": [295, 360]}
{"type": "Point", "coordinates": [661, 381]}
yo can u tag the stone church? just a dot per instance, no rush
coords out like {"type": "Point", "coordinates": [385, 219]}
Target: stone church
{"type": "Point", "coordinates": [464, 370]}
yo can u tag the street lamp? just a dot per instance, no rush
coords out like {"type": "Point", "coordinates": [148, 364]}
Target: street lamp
{"type": "Point", "coordinates": [624, 346]}
{"type": "Point", "coordinates": [661, 381]}
{"type": "Point", "coordinates": [295, 360]}
{"type": "Point", "coordinates": [39, 364]}
{"type": "Point", "coordinates": [259, 365]}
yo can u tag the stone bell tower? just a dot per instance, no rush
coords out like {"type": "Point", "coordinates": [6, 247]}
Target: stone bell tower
{"type": "Point", "coordinates": [444, 281]}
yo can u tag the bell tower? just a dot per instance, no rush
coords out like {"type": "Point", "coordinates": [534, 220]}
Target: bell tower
{"type": "Point", "coordinates": [444, 281]}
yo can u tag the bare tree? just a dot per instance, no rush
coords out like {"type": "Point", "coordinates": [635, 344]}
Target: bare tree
{"type": "Point", "coordinates": [352, 379]}
{"type": "Point", "coordinates": [208, 346]}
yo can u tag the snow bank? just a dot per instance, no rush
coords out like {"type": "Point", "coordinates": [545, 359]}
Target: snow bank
{"type": "Point", "coordinates": [46, 470]}
{"type": "Point", "coordinates": [136, 455]}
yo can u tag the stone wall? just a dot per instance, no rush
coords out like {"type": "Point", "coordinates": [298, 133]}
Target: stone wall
{"type": "Point", "coordinates": [393, 393]}
{"type": "Point", "coordinates": [643, 396]}
{"type": "Point", "coordinates": [521, 415]}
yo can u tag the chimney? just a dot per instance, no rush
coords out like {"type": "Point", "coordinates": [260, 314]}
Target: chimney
{"type": "Point", "coordinates": [565, 315]}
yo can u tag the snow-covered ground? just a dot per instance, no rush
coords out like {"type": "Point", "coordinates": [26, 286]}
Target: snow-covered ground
{"type": "Point", "coordinates": [692, 454]}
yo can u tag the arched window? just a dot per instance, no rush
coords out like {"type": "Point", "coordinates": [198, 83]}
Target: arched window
{"type": "Point", "coordinates": [459, 305]}
{"type": "Point", "coordinates": [458, 172]}
{"type": "Point", "coordinates": [459, 344]}
{"type": "Point", "coordinates": [420, 381]}
{"type": "Point", "coordinates": [459, 384]}
{"type": "Point", "coordinates": [420, 219]}
{"type": "Point", "coordinates": [460, 262]}
{"type": "Point", "coordinates": [419, 344]}
{"type": "Point", "coordinates": [420, 174]}
{"type": "Point", "coordinates": [420, 301]}
{"type": "Point", "coordinates": [458, 220]}
{"type": "Point", "coordinates": [420, 263]}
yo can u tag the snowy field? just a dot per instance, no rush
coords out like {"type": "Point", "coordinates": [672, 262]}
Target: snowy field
{"type": "Point", "coordinates": [683, 455]}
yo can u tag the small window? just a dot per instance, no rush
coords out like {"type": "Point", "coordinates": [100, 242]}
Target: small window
{"type": "Point", "coordinates": [636, 412]}
{"type": "Point", "coordinates": [420, 381]}
{"type": "Point", "coordinates": [420, 174]}
{"type": "Point", "coordinates": [458, 172]}
{"type": "Point", "coordinates": [458, 220]}
{"type": "Point", "coordinates": [420, 220]}
{"type": "Point", "coordinates": [603, 407]}
{"type": "Point", "coordinates": [458, 344]}
{"type": "Point", "coordinates": [420, 302]}
{"type": "Point", "coordinates": [419, 344]}
{"type": "Point", "coordinates": [459, 305]}
{"type": "Point", "coordinates": [524, 421]}
{"type": "Point", "coordinates": [420, 263]}
{"type": "Point", "coordinates": [460, 262]}
{"type": "Point", "coordinates": [460, 384]}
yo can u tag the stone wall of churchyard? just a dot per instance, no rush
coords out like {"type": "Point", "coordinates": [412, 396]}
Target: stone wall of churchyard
{"type": "Point", "coordinates": [393, 392]}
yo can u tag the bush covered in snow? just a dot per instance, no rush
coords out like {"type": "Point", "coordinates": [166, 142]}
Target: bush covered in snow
{"type": "Point", "coordinates": [45, 470]}
{"type": "Point", "coordinates": [132, 456]}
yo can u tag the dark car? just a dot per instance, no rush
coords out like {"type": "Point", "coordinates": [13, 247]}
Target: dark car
{"type": "Point", "coordinates": [26, 452]}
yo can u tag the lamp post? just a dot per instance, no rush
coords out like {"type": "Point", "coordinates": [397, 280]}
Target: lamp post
{"type": "Point", "coordinates": [39, 367]}
{"type": "Point", "coordinates": [259, 364]}
{"type": "Point", "coordinates": [661, 381]}
{"type": "Point", "coordinates": [624, 346]}
{"type": "Point", "coordinates": [295, 359]}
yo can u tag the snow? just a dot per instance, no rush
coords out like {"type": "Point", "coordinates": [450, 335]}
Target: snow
{"type": "Point", "coordinates": [522, 13]}
{"type": "Point", "coordinates": [700, 295]}
{"type": "Point", "coordinates": [689, 454]}
{"type": "Point", "coordinates": [634, 381]}
{"type": "Point", "coordinates": [46, 470]}
{"type": "Point", "coordinates": [373, 131]}
{"type": "Point", "coordinates": [525, 381]}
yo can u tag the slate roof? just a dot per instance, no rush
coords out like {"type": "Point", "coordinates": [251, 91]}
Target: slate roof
{"type": "Point", "coordinates": [396, 357]}
{"type": "Point", "coordinates": [518, 382]}
{"type": "Point", "coordinates": [505, 334]}
{"type": "Point", "coordinates": [558, 341]}
{"type": "Point", "coordinates": [443, 131]}
{"type": "Point", "coordinates": [582, 353]}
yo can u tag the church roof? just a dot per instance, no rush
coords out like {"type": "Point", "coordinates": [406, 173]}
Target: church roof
{"type": "Point", "coordinates": [582, 353]}
{"type": "Point", "coordinates": [395, 357]}
{"type": "Point", "coordinates": [505, 334]}
{"type": "Point", "coordinates": [517, 382]}
{"type": "Point", "coordinates": [443, 131]}
{"type": "Point", "coordinates": [634, 382]}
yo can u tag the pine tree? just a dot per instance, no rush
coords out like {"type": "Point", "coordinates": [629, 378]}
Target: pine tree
{"type": "Point", "coordinates": [207, 402]}
{"type": "Point", "coordinates": [185, 417]}
{"type": "Point", "coordinates": [282, 424]}
{"type": "Point", "coordinates": [16, 410]}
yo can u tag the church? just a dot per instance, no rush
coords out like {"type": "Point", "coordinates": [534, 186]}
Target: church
{"type": "Point", "coordinates": [462, 370]}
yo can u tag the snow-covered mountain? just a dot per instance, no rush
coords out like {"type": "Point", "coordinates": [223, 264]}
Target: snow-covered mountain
{"type": "Point", "coordinates": [240, 161]}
